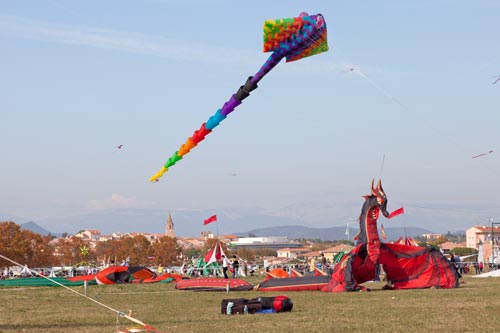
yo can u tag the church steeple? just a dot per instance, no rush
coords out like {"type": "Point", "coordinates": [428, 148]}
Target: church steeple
{"type": "Point", "coordinates": [169, 230]}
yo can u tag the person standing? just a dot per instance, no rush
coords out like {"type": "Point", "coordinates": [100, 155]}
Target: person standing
{"type": "Point", "coordinates": [323, 262]}
{"type": "Point", "coordinates": [312, 264]}
{"type": "Point", "coordinates": [225, 267]}
{"type": "Point", "coordinates": [236, 266]}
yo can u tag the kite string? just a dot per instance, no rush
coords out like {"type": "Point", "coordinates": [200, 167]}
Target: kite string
{"type": "Point", "coordinates": [381, 167]}
{"type": "Point", "coordinates": [119, 313]}
{"type": "Point", "coordinates": [427, 123]}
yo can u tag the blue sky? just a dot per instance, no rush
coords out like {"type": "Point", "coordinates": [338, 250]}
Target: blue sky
{"type": "Point", "coordinates": [80, 78]}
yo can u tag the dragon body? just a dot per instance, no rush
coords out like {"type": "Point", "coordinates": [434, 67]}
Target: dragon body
{"type": "Point", "coordinates": [406, 267]}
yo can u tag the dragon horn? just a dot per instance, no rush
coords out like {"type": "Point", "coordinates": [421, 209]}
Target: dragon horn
{"type": "Point", "coordinates": [379, 186]}
{"type": "Point", "coordinates": [374, 192]}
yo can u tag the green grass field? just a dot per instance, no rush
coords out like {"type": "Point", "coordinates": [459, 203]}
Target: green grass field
{"type": "Point", "coordinates": [472, 307]}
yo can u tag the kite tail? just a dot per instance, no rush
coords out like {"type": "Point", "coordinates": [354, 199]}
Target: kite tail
{"type": "Point", "coordinates": [221, 114]}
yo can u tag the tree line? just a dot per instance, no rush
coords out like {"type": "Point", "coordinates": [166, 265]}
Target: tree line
{"type": "Point", "coordinates": [29, 248]}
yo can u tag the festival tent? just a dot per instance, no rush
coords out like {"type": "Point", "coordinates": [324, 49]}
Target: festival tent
{"type": "Point", "coordinates": [214, 255]}
{"type": "Point", "coordinates": [407, 240]}
{"type": "Point", "coordinates": [25, 271]}
{"type": "Point", "coordinates": [208, 264]}
{"type": "Point", "coordinates": [52, 273]}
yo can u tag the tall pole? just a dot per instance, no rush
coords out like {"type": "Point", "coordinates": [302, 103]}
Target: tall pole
{"type": "Point", "coordinates": [492, 242]}
{"type": "Point", "coordinates": [493, 224]}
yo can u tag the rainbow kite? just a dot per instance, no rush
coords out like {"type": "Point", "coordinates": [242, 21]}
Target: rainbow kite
{"type": "Point", "coordinates": [293, 38]}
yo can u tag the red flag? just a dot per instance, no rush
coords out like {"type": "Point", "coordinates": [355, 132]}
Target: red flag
{"type": "Point", "coordinates": [396, 212]}
{"type": "Point", "coordinates": [211, 219]}
{"type": "Point", "coordinates": [383, 231]}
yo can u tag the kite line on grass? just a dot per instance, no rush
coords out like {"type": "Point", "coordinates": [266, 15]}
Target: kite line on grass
{"type": "Point", "coordinates": [147, 327]}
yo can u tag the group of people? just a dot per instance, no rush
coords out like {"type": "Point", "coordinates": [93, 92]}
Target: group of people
{"type": "Point", "coordinates": [463, 267]}
{"type": "Point", "coordinates": [322, 263]}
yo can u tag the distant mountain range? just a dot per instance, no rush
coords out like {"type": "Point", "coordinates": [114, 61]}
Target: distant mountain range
{"type": "Point", "coordinates": [291, 232]}
{"type": "Point", "coordinates": [318, 220]}
{"type": "Point", "coordinates": [32, 226]}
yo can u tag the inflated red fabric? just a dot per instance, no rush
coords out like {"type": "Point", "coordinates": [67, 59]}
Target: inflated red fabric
{"type": "Point", "coordinates": [413, 267]}
{"type": "Point", "coordinates": [406, 267]}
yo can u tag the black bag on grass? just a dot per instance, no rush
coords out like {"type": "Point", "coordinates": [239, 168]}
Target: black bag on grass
{"type": "Point", "coordinates": [256, 305]}
{"type": "Point", "coordinates": [237, 306]}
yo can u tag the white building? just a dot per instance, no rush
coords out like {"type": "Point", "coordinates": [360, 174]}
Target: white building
{"type": "Point", "coordinates": [482, 234]}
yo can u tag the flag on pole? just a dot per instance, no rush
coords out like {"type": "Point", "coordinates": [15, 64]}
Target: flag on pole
{"type": "Point", "coordinates": [211, 219]}
{"type": "Point", "coordinates": [396, 213]}
{"type": "Point", "coordinates": [383, 231]}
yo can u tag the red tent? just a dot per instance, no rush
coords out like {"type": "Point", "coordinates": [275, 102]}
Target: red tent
{"type": "Point", "coordinates": [406, 241]}
{"type": "Point", "coordinates": [214, 254]}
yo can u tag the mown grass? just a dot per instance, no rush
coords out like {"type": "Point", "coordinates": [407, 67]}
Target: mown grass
{"type": "Point", "coordinates": [472, 307]}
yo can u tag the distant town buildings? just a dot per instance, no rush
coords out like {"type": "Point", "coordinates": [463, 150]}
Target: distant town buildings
{"type": "Point", "coordinates": [486, 240]}
{"type": "Point", "coordinates": [486, 237]}
{"type": "Point", "coordinates": [431, 236]}
{"type": "Point", "coordinates": [482, 235]}
{"type": "Point", "coordinates": [271, 243]}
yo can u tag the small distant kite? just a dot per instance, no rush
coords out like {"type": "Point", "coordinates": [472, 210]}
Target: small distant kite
{"type": "Point", "coordinates": [483, 154]}
{"type": "Point", "coordinates": [498, 79]}
{"type": "Point", "coordinates": [348, 69]}
{"type": "Point", "coordinates": [119, 146]}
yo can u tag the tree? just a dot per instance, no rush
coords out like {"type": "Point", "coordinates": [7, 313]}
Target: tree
{"type": "Point", "coordinates": [105, 250]}
{"type": "Point", "coordinates": [246, 254]}
{"type": "Point", "coordinates": [12, 244]}
{"type": "Point", "coordinates": [191, 252]}
{"type": "Point", "coordinates": [438, 241]}
{"type": "Point", "coordinates": [166, 251]}
{"type": "Point", "coordinates": [42, 252]}
{"type": "Point", "coordinates": [24, 246]}
{"type": "Point", "coordinates": [136, 249]}
{"type": "Point", "coordinates": [69, 251]}
{"type": "Point", "coordinates": [140, 250]}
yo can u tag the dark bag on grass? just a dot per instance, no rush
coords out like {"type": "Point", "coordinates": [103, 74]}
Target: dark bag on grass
{"type": "Point", "coordinates": [256, 305]}
{"type": "Point", "coordinates": [237, 306]}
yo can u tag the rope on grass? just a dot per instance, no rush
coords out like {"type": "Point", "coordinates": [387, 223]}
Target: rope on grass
{"type": "Point", "coordinates": [147, 327]}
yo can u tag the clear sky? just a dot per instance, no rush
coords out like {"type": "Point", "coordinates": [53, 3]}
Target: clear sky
{"type": "Point", "coordinates": [405, 93]}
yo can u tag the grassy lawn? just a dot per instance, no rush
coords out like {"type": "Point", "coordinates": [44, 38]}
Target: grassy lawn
{"type": "Point", "coordinates": [472, 307]}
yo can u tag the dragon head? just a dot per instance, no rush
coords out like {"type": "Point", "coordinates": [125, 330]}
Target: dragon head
{"type": "Point", "coordinates": [379, 197]}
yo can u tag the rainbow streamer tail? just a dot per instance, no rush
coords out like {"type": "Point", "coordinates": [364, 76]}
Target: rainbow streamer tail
{"type": "Point", "coordinates": [293, 39]}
